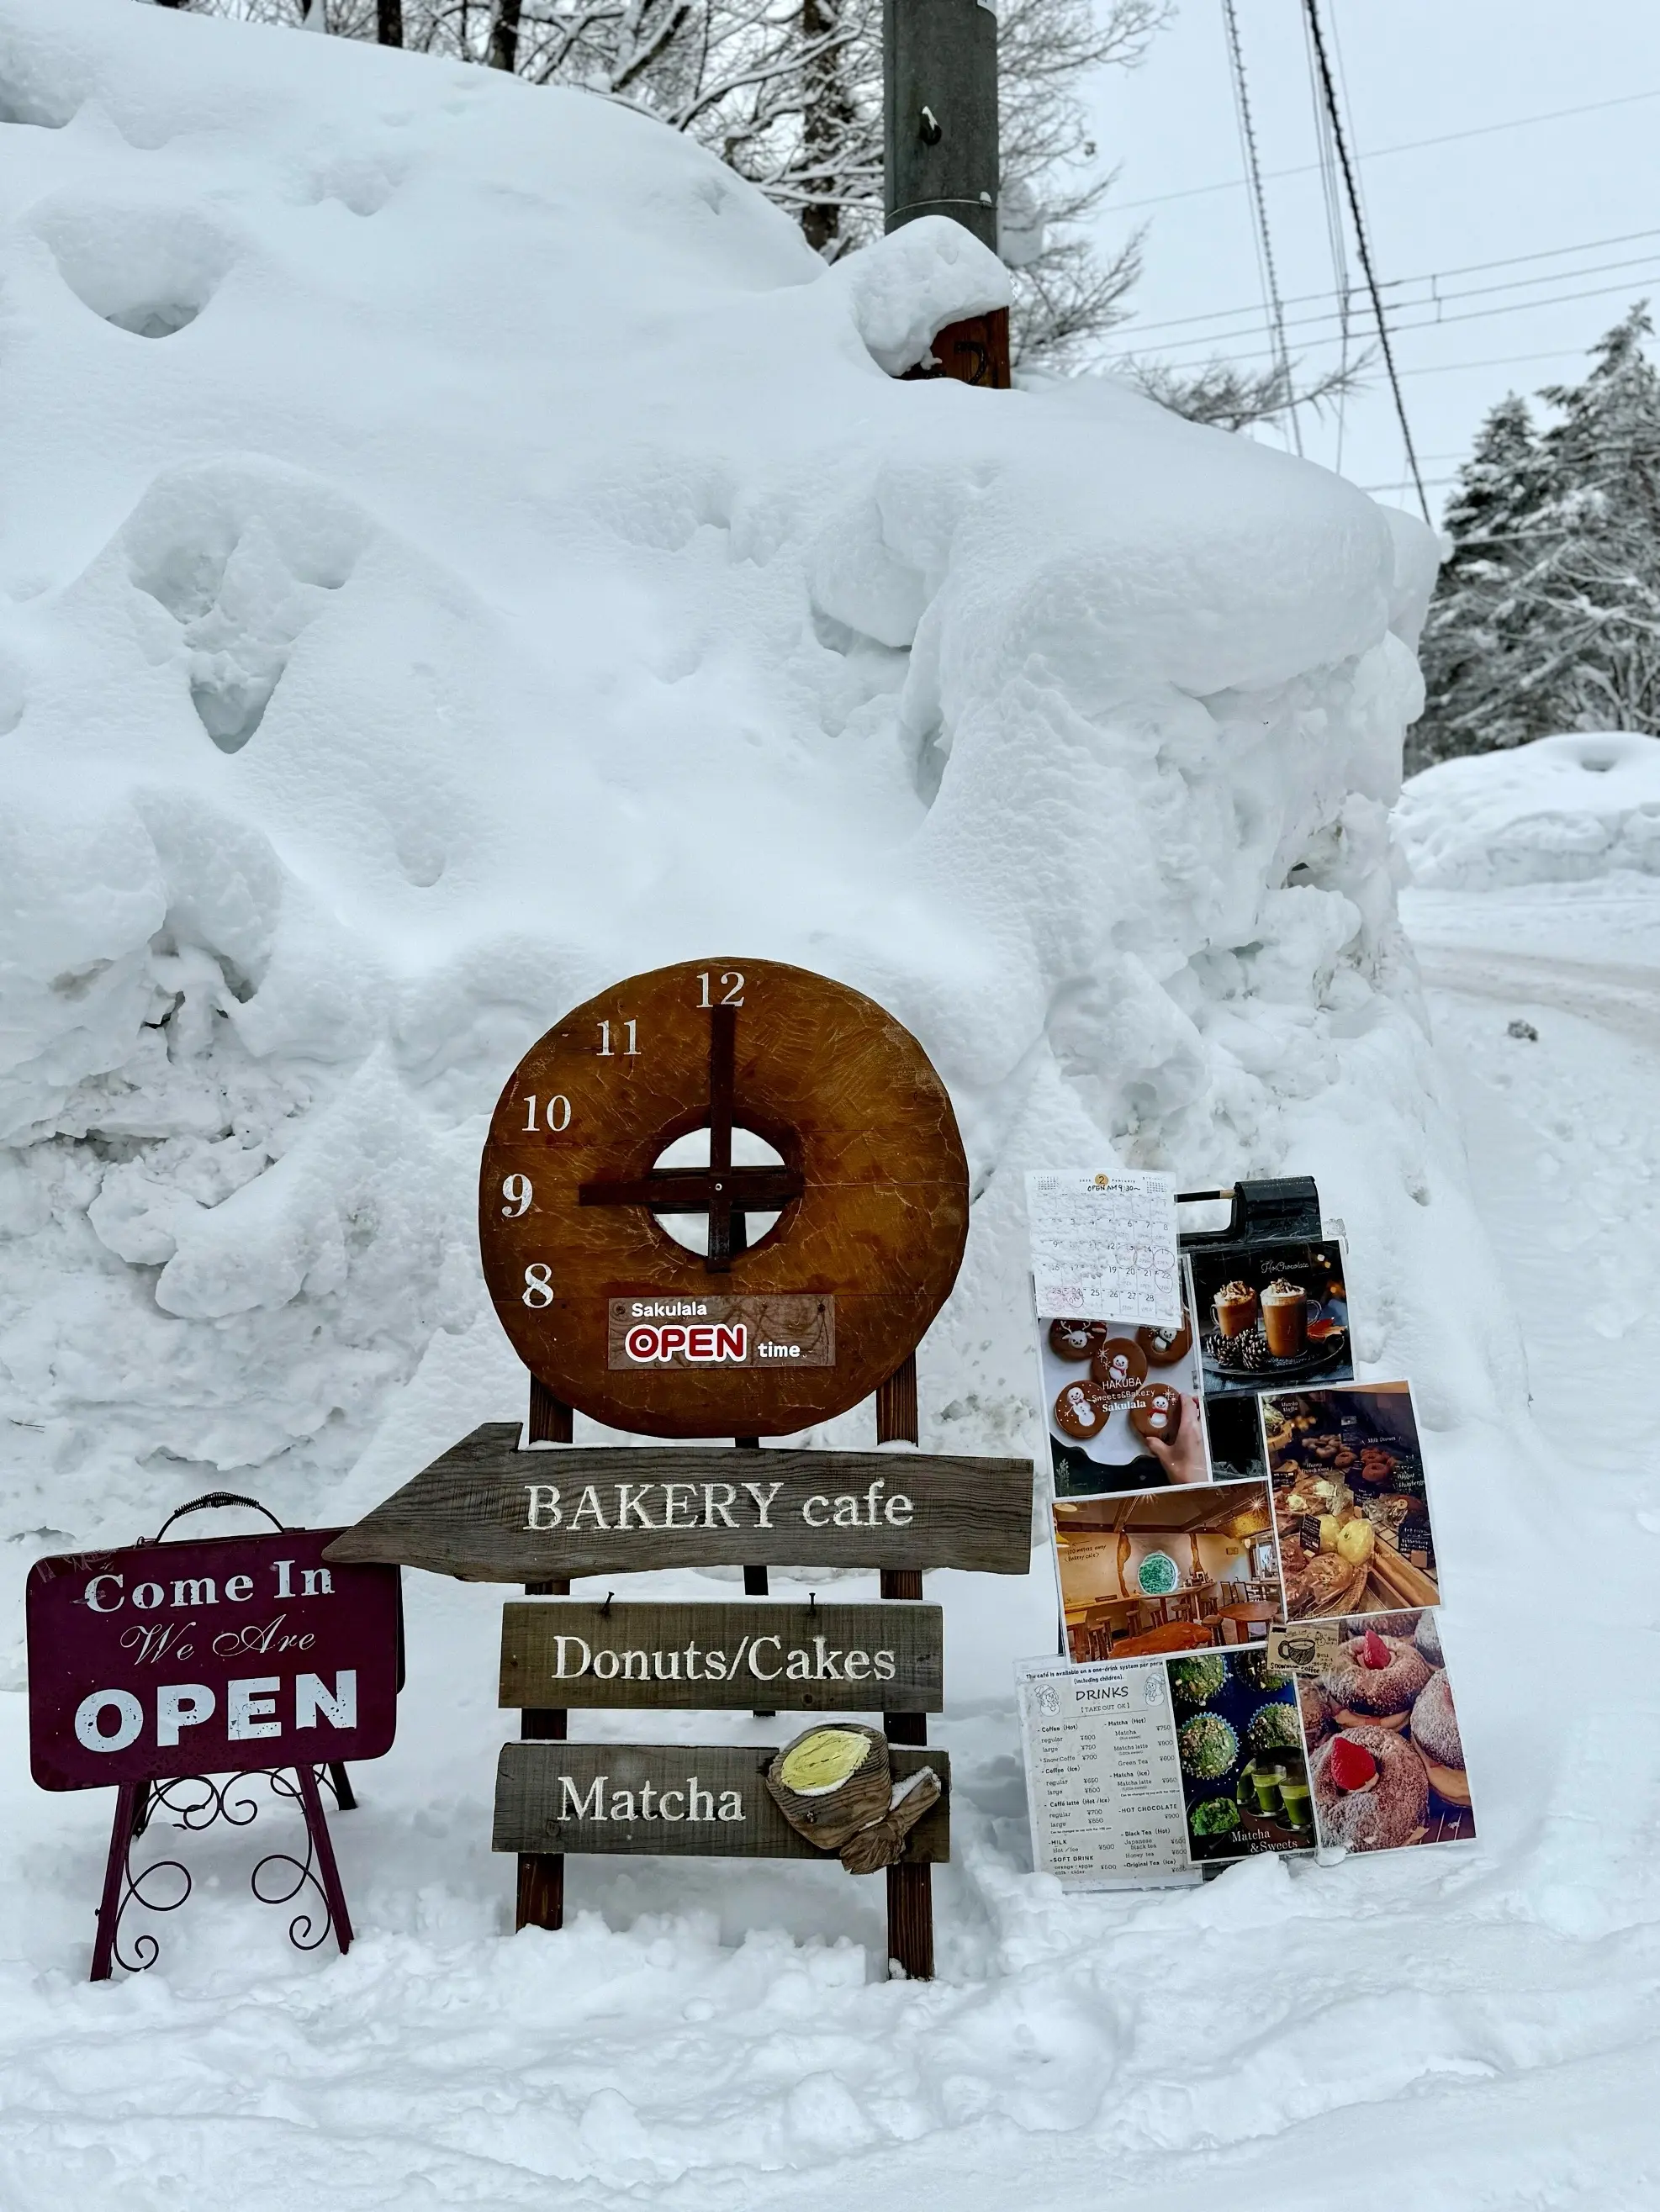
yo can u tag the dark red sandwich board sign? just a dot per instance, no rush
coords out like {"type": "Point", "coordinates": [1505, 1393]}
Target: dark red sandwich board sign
{"type": "Point", "coordinates": [214, 1656]}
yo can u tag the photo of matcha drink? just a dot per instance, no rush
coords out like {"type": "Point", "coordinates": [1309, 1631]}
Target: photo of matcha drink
{"type": "Point", "coordinates": [1265, 1784]}
{"type": "Point", "coordinates": [1294, 1798]}
{"type": "Point", "coordinates": [1286, 1319]}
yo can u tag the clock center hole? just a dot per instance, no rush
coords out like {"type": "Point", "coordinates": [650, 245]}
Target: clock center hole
{"type": "Point", "coordinates": [692, 1151]}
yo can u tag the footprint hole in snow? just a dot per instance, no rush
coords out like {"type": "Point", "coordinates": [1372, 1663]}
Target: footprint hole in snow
{"type": "Point", "coordinates": [420, 857]}
{"type": "Point", "coordinates": [39, 106]}
{"type": "Point", "coordinates": [148, 270]}
{"type": "Point", "coordinates": [242, 567]}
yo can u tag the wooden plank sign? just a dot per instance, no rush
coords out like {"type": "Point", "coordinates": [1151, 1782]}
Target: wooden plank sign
{"type": "Point", "coordinates": [795, 1658]}
{"type": "Point", "coordinates": [487, 1512]}
{"type": "Point", "coordinates": [869, 1185]}
{"type": "Point", "coordinates": [675, 1800]}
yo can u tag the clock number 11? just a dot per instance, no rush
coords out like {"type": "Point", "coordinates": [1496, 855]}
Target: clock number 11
{"type": "Point", "coordinates": [628, 1051]}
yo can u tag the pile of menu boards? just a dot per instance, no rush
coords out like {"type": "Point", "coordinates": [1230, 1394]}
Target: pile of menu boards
{"type": "Point", "coordinates": [1245, 1558]}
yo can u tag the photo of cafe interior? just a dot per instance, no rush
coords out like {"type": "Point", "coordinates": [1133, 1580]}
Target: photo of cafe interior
{"type": "Point", "coordinates": [1176, 1570]}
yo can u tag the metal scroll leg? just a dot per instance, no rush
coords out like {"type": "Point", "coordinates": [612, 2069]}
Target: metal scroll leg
{"type": "Point", "coordinates": [344, 1795]}
{"type": "Point", "coordinates": [322, 1843]}
{"type": "Point", "coordinates": [131, 1799]}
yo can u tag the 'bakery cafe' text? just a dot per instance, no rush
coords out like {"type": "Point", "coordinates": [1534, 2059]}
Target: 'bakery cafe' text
{"type": "Point", "coordinates": [707, 1505]}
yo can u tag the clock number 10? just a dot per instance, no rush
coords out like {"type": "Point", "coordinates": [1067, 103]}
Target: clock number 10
{"type": "Point", "coordinates": [555, 1116]}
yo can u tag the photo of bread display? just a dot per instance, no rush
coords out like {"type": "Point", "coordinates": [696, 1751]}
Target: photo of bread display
{"type": "Point", "coordinates": [1351, 1507]}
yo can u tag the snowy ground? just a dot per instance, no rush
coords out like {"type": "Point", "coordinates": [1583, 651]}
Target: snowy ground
{"type": "Point", "coordinates": [426, 498]}
{"type": "Point", "coordinates": [1483, 2021]}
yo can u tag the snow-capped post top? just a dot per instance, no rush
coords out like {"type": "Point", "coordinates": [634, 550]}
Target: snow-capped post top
{"type": "Point", "coordinates": [904, 288]}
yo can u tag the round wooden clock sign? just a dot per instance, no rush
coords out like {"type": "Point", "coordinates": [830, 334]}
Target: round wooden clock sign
{"type": "Point", "coordinates": [618, 1317]}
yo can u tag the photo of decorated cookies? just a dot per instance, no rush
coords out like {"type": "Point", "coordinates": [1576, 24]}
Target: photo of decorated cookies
{"type": "Point", "coordinates": [1349, 1499]}
{"type": "Point", "coordinates": [1144, 1573]}
{"type": "Point", "coordinates": [1271, 1314]}
{"type": "Point", "coordinates": [1244, 1775]}
{"type": "Point", "coordinates": [1386, 1761]}
{"type": "Point", "coordinates": [1123, 1406]}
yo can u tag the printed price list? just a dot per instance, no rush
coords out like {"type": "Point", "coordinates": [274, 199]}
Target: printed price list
{"type": "Point", "coordinates": [1102, 1775]}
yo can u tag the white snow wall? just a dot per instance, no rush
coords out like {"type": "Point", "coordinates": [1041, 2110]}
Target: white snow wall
{"type": "Point", "coordinates": [457, 547]}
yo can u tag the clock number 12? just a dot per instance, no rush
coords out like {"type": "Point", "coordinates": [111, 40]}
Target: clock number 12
{"type": "Point", "coordinates": [731, 989]}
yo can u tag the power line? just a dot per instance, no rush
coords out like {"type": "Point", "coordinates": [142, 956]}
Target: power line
{"type": "Point", "coordinates": [1260, 210]}
{"type": "Point", "coordinates": [1493, 361]}
{"type": "Point", "coordinates": [1432, 277]}
{"type": "Point", "coordinates": [1406, 146]}
{"type": "Point", "coordinates": [1440, 301]}
{"type": "Point", "coordinates": [1473, 315]}
{"type": "Point", "coordinates": [1341, 289]}
{"type": "Point", "coordinates": [1362, 246]}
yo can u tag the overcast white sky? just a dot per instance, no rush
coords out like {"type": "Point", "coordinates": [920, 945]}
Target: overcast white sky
{"type": "Point", "coordinates": [1413, 70]}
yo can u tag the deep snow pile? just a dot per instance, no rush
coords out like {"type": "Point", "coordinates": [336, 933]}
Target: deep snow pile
{"type": "Point", "coordinates": [459, 546]}
{"type": "Point", "coordinates": [1560, 810]}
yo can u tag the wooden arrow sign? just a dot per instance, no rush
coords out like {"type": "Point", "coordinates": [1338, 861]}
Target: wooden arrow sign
{"type": "Point", "coordinates": [487, 1512]}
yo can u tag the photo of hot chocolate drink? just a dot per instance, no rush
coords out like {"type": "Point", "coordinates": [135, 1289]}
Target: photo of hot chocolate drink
{"type": "Point", "coordinates": [1271, 1314]}
{"type": "Point", "coordinates": [1235, 1306]}
{"type": "Point", "coordinates": [1286, 1319]}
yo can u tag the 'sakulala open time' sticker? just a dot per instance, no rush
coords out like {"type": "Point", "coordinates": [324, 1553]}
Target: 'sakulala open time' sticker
{"type": "Point", "coordinates": [789, 1329]}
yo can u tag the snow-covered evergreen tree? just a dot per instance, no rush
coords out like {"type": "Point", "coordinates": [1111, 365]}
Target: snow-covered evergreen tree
{"type": "Point", "coordinates": [1547, 617]}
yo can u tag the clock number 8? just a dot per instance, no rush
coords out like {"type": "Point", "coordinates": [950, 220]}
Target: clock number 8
{"type": "Point", "coordinates": [539, 1289]}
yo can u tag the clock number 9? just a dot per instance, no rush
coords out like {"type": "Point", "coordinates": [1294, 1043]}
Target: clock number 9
{"type": "Point", "coordinates": [556, 1118]}
{"type": "Point", "coordinates": [539, 1289]}
{"type": "Point", "coordinates": [517, 1191]}
{"type": "Point", "coordinates": [732, 993]}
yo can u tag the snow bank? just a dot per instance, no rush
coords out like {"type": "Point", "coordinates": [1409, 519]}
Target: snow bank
{"type": "Point", "coordinates": [442, 515]}
{"type": "Point", "coordinates": [1560, 810]}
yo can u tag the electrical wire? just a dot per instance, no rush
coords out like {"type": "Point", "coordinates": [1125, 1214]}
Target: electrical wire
{"type": "Point", "coordinates": [1406, 146]}
{"type": "Point", "coordinates": [1642, 264]}
{"type": "Point", "coordinates": [1271, 300]}
{"type": "Point", "coordinates": [1336, 244]}
{"type": "Point", "coordinates": [1363, 247]}
{"type": "Point", "coordinates": [1432, 277]}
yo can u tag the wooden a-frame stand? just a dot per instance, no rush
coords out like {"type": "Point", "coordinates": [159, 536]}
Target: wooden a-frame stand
{"type": "Point", "coordinates": [541, 1892]}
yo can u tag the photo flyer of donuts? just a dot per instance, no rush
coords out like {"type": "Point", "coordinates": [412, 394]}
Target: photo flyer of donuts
{"type": "Point", "coordinates": [1351, 1503]}
{"type": "Point", "coordinates": [1386, 1762]}
{"type": "Point", "coordinates": [1105, 1242]}
{"type": "Point", "coordinates": [1146, 1573]}
{"type": "Point", "coordinates": [1271, 1315]}
{"type": "Point", "coordinates": [1122, 1405]}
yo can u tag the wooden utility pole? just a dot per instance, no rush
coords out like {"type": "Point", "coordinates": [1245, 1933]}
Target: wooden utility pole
{"type": "Point", "coordinates": [940, 151]}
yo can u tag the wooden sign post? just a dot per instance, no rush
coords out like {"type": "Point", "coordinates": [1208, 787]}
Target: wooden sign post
{"type": "Point", "coordinates": [746, 1338]}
